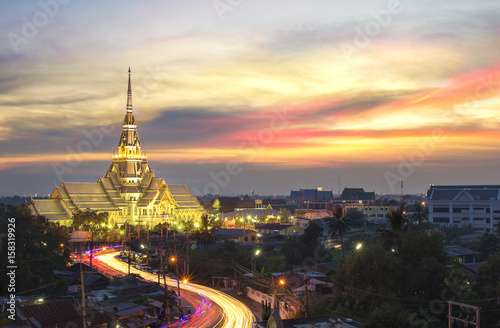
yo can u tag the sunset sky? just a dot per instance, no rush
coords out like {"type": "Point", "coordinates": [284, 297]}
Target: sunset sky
{"type": "Point", "coordinates": [276, 94]}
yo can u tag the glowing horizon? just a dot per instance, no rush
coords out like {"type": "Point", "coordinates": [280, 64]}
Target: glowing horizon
{"type": "Point", "coordinates": [297, 95]}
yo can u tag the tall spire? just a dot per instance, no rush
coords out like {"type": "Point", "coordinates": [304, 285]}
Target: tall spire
{"type": "Point", "coordinates": [129, 147]}
{"type": "Point", "coordinates": [129, 93]}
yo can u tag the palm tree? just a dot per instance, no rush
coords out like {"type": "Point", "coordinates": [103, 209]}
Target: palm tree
{"type": "Point", "coordinates": [338, 225]}
{"type": "Point", "coordinates": [399, 224]}
{"type": "Point", "coordinates": [420, 213]}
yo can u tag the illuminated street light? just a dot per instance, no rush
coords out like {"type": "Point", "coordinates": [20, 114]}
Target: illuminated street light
{"type": "Point", "coordinates": [185, 281]}
{"type": "Point", "coordinates": [172, 259]}
{"type": "Point", "coordinates": [358, 246]}
{"type": "Point", "coordinates": [197, 225]}
{"type": "Point", "coordinates": [282, 282]}
{"type": "Point", "coordinates": [253, 260]}
{"type": "Point", "coordinates": [142, 246]}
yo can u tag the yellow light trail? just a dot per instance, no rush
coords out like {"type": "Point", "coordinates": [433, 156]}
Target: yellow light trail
{"type": "Point", "coordinates": [235, 313]}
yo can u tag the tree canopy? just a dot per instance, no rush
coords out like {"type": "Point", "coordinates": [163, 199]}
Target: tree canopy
{"type": "Point", "coordinates": [40, 248]}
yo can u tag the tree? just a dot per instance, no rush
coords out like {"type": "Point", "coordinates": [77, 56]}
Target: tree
{"type": "Point", "coordinates": [488, 277]}
{"type": "Point", "coordinates": [216, 206]}
{"type": "Point", "coordinates": [41, 249]}
{"type": "Point", "coordinates": [284, 216]}
{"type": "Point", "coordinates": [90, 220]}
{"type": "Point", "coordinates": [390, 238]}
{"type": "Point", "coordinates": [312, 234]}
{"type": "Point", "coordinates": [389, 315]}
{"type": "Point", "coordinates": [450, 233]}
{"type": "Point", "coordinates": [300, 213]}
{"type": "Point", "coordinates": [488, 286]}
{"type": "Point", "coordinates": [338, 226]}
{"type": "Point", "coordinates": [296, 249]}
{"type": "Point", "coordinates": [204, 234]}
{"type": "Point", "coordinates": [273, 263]}
{"type": "Point", "coordinates": [372, 277]}
{"type": "Point", "coordinates": [292, 250]}
{"type": "Point", "coordinates": [489, 244]}
{"type": "Point", "coordinates": [356, 218]}
{"type": "Point", "coordinates": [419, 213]}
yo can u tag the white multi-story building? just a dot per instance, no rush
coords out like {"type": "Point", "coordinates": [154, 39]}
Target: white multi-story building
{"type": "Point", "coordinates": [478, 206]}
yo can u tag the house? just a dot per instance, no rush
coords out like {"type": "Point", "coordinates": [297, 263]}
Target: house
{"type": "Point", "coordinates": [242, 236]}
{"type": "Point", "coordinates": [62, 313]}
{"type": "Point", "coordinates": [462, 254]}
{"type": "Point", "coordinates": [273, 229]}
{"type": "Point", "coordinates": [325, 266]}
{"type": "Point", "coordinates": [275, 321]}
{"type": "Point", "coordinates": [464, 205]}
{"type": "Point", "coordinates": [132, 285]}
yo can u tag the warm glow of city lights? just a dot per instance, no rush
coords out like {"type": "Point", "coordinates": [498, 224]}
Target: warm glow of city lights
{"type": "Point", "coordinates": [235, 313]}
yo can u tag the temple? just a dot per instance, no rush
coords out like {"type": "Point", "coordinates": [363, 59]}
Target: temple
{"type": "Point", "coordinates": [129, 192]}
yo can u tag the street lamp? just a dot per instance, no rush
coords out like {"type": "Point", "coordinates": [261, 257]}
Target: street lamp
{"type": "Point", "coordinates": [252, 262]}
{"type": "Point", "coordinates": [281, 282]}
{"type": "Point", "coordinates": [358, 246]}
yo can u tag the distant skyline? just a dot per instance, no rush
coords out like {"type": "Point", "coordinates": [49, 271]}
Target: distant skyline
{"type": "Point", "coordinates": [277, 95]}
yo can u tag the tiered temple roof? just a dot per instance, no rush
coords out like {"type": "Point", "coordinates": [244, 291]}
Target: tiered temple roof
{"type": "Point", "coordinates": [129, 189]}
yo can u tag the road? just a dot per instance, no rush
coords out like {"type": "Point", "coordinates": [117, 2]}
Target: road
{"type": "Point", "coordinates": [213, 308]}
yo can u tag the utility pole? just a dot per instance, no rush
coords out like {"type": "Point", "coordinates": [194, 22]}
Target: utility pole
{"type": "Point", "coordinates": [186, 266]}
{"type": "Point", "coordinates": [129, 259]}
{"type": "Point", "coordinates": [84, 309]}
{"type": "Point", "coordinates": [166, 295]}
{"type": "Point", "coordinates": [161, 265]}
{"type": "Point", "coordinates": [139, 229]}
{"type": "Point", "coordinates": [306, 292]}
{"type": "Point", "coordinates": [91, 246]}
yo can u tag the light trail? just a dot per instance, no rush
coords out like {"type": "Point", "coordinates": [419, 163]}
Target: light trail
{"type": "Point", "coordinates": [228, 312]}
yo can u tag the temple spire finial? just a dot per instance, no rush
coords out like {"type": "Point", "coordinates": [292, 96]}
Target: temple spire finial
{"type": "Point", "coordinates": [129, 93]}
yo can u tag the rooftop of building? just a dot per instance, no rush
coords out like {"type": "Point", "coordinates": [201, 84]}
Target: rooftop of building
{"type": "Point", "coordinates": [464, 193]}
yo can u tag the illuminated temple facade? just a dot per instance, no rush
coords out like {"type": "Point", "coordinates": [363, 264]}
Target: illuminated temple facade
{"type": "Point", "coordinates": [128, 192]}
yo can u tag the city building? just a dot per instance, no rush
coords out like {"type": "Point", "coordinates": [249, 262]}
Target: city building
{"type": "Point", "coordinates": [477, 206]}
{"type": "Point", "coordinates": [129, 191]}
{"type": "Point", "coordinates": [272, 229]}
{"type": "Point", "coordinates": [372, 212]}
{"type": "Point", "coordinates": [241, 236]}
{"type": "Point", "coordinates": [356, 196]}
{"type": "Point", "coordinates": [305, 196]}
